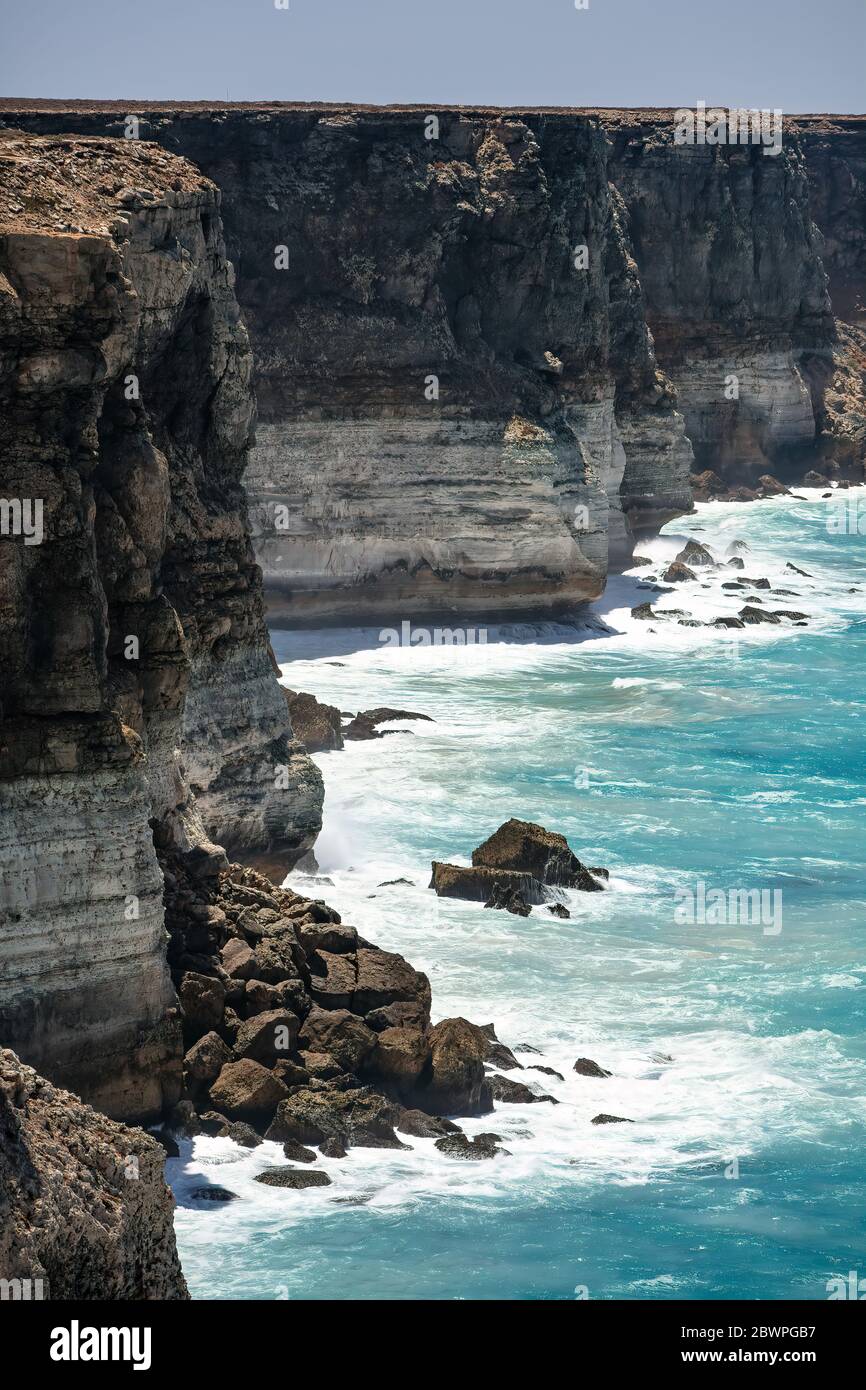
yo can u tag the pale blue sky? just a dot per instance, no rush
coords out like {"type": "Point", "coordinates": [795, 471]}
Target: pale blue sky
{"type": "Point", "coordinates": [800, 55]}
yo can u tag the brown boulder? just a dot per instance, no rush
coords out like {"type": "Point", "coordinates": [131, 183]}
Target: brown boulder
{"type": "Point", "coordinates": [516, 1093]}
{"type": "Point", "coordinates": [341, 1034]}
{"type": "Point", "coordinates": [399, 1059]}
{"type": "Point", "coordinates": [238, 960]}
{"type": "Point", "coordinates": [267, 1037]}
{"type": "Point", "coordinates": [476, 884]}
{"type": "Point", "coordinates": [324, 1110]}
{"type": "Point", "coordinates": [293, 1177]}
{"type": "Point", "coordinates": [677, 573]}
{"type": "Point", "coordinates": [332, 979]}
{"type": "Point", "coordinates": [247, 1089]}
{"type": "Point", "coordinates": [202, 999]}
{"type": "Point", "coordinates": [530, 849]}
{"type": "Point", "coordinates": [206, 1059]}
{"type": "Point", "coordinates": [318, 726]}
{"type": "Point", "coordinates": [585, 1066]}
{"type": "Point", "coordinates": [456, 1083]}
{"type": "Point", "coordinates": [386, 978]}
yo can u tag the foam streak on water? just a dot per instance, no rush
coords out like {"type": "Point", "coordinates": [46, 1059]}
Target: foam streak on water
{"type": "Point", "coordinates": [673, 757]}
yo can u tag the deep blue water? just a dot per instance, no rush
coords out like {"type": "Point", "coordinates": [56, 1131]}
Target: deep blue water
{"type": "Point", "coordinates": [674, 758]}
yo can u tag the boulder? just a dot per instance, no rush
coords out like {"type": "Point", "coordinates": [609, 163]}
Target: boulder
{"type": "Point", "coordinates": [751, 616]}
{"type": "Point", "coordinates": [267, 1037]}
{"type": "Point", "coordinates": [644, 611]}
{"type": "Point", "coordinates": [461, 1146]}
{"type": "Point", "coordinates": [477, 884]}
{"type": "Point", "coordinates": [694, 556]}
{"type": "Point", "coordinates": [508, 899]}
{"type": "Point", "coordinates": [527, 848]}
{"type": "Point", "coordinates": [320, 1065]}
{"type": "Point", "coordinates": [246, 1089]}
{"type": "Point", "coordinates": [206, 1058]}
{"type": "Point", "coordinates": [610, 1120]}
{"type": "Point", "coordinates": [386, 978]}
{"type": "Point", "coordinates": [456, 1083]}
{"type": "Point", "coordinates": [332, 979]}
{"type": "Point", "coordinates": [318, 726]}
{"type": "Point", "coordinates": [708, 486]}
{"type": "Point", "coordinates": [405, 1013]}
{"type": "Point", "coordinates": [768, 486]}
{"type": "Point", "coordinates": [328, 1109]}
{"type": "Point", "coordinates": [585, 1066]}
{"type": "Point", "coordinates": [677, 573]}
{"type": "Point", "coordinates": [399, 1059]}
{"type": "Point", "coordinates": [202, 998]}
{"type": "Point", "coordinates": [332, 937]}
{"type": "Point", "coordinates": [516, 1093]}
{"type": "Point", "coordinates": [293, 1177]}
{"type": "Point", "coordinates": [559, 910]}
{"type": "Point", "coordinates": [423, 1126]}
{"type": "Point", "coordinates": [297, 1152]}
{"type": "Point", "coordinates": [238, 960]}
{"type": "Point", "coordinates": [214, 1193]}
{"type": "Point", "coordinates": [334, 1147]}
{"type": "Point", "coordinates": [341, 1034]}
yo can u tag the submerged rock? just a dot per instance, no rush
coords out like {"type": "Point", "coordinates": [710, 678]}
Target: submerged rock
{"type": "Point", "coordinates": [610, 1120]}
{"type": "Point", "coordinates": [461, 1146]}
{"type": "Point", "coordinates": [293, 1177]}
{"type": "Point", "coordinates": [677, 573]}
{"type": "Point", "coordinates": [516, 1093]}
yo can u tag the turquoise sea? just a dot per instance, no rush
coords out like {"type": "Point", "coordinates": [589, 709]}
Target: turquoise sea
{"type": "Point", "coordinates": [675, 757]}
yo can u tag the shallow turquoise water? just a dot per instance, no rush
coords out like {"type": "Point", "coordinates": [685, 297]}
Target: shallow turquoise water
{"type": "Point", "coordinates": [673, 757]}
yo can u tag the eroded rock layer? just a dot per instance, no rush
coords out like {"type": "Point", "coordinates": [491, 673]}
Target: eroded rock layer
{"type": "Point", "coordinates": [138, 691]}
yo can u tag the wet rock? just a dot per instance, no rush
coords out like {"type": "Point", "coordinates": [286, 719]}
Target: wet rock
{"type": "Point", "coordinates": [213, 1193]}
{"type": "Point", "coordinates": [736, 563]}
{"type": "Point", "coordinates": [334, 1147]}
{"type": "Point", "coordinates": [386, 978]}
{"type": "Point", "coordinates": [293, 1177]}
{"type": "Point", "coordinates": [356, 1114]}
{"type": "Point", "coordinates": [366, 722]}
{"type": "Point", "coordinates": [399, 1059]}
{"type": "Point", "coordinates": [768, 486]}
{"type": "Point", "coordinates": [795, 570]}
{"type": "Point", "coordinates": [246, 1089]}
{"type": "Point", "coordinates": [677, 573]}
{"type": "Point", "coordinates": [168, 1142]}
{"type": "Point", "coordinates": [423, 1126]}
{"type": "Point", "coordinates": [559, 910]}
{"type": "Point", "coordinates": [708, 486]}
{"type": "Point", "coordinates": [508, 898]}
{"type": "Point", "coordinates": [297, 1152]}
{"type": "Point", "coordinates": [461, 1146]}
{"type": "Point", "coordinates": [318, 726]}
{"type": "Point", "coordinates": [694, 555]}
{"type": "Point", "coordinates": [753, 616]}
{"type": "Point", "coordinates": [477, 884]}
{"type": "Point", "coordinates": [585, 1066]}
{"type": "Point", "coordinates": [548, 1071]}
{"type": "Point", "coordinates": [524, 847]}
{"type": "Point", "coordinates": [516, 1093]}
{"type": "Point", "coordinates": [610, 1120]}
{"type": "Point", "coordinates": [643, 611]}
{"type": "Point", "coordinates": [456, 1083]}
{"type": "Point", "coordinates": [792, 614]}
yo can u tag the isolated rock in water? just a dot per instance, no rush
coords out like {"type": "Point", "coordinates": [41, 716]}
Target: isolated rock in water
{"type": "Point", "coordinates": [736, 563]}
{"type": "Point", "coordinates": [318, 726]}
{"type": "Point", "coordinates": [214, 1193]}
{"type": "Point", "coordinates": [695, 555]}
{"type": "Point", "coordinates": [334, 1147]}
{"type": "Point", "coordinates": [585, 1066]}
{"type": "Point", "coordinates": [477, 884]}
{"type": "Point", "coordinates": [728, 622]}
{"type": "Point", "coordinates": [795, 570]}
{"type": "Point", "coordinates": [644, 611]}
{"type": "Point", "coordinates": [768, 486]}
{"type": "Point", "coordinates": [293, 1177]}
{"type": "Point", "coordinates": [298, 1153]}
{"type": "Point", "coordinates": [460, 1146]}
{"type": "Point", "coordinates": [792, 614]}
{"type": "Point", "coordinates": [508, 898]}
{"type": "Point", "coordinates": [516, 1093]}
{"type": "Point", "coordinates": [761, 583]}
{"type": "Point", "coordinates": [559, 910]}
{"type": "Point", "coordinates": [752, 616]}
{"type": "Point", "coordinates": [83, 1202]}
{"type": "Point", "coordinates": [640, 561]}
{"type": "Point", "coordinates": [457, 1083]}
{"type": "Point", "coordinates": [247, 1089]}
{"type": "Point", "coordinates": [736, 547]}
{"type": "Point", "coordinates": [813, 479]}
{"type": "Point", "coordinates": [610, 1120]}
{"type": "Point", "coordinates": [527, 848]}
{"type": "Point", "coordinates": [677, 573]}
{"type": "Point", "coordinates": [365, 724]}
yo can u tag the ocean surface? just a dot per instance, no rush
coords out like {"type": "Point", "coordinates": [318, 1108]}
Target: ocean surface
{"type": "Point", "coordinates": [675, 756]}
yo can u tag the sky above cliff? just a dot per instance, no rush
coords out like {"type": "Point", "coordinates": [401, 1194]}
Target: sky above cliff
{"type": "Point", "coordinates": [799, 55]}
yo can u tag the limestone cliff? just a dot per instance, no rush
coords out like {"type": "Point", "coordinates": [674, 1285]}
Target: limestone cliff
{"type": "Point", "coordinates": [84, 1209]}
{"type": "Point", "coordinates": [138, 697]}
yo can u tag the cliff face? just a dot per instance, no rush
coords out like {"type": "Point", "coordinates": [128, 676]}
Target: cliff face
{"type": "Point", "coordinates": [459, 404]}
{"type": "Point", "coordinates": [137, 692]}
{"type": "Point", "coordinates": [84, 1209]}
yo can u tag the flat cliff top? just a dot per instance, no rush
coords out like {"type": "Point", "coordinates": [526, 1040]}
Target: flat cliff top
{"type": "Point", "coordinates": [608, 115]}
{"type": "Point", "coordinates": [56, 183]}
